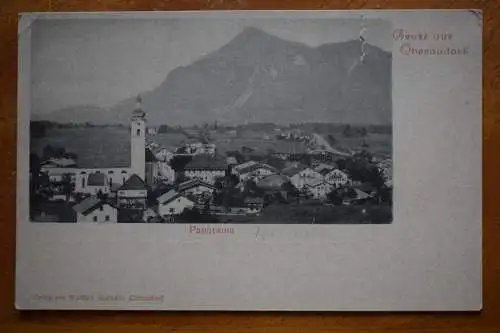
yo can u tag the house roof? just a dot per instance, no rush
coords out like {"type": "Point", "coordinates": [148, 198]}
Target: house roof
{"type": "Point", "coordinates": [133, 183]}
{"type": "Point", "coordinates": [169, 196]}
{"type": "Point", "coordinates": [96, 179]}
{"type": "Point", "coordinates": [254, 167]}
{"type": "Point", "coordinates": [231, 160]}
{"type": "Point", "coordinates": [61, 162]}
{"type": "Point", "coordinates": [324, 167]}
{"type": "Point", "coordinates": [291, 171]}
{"type": "Point", "coordinates": [203, 162]}
{"type": "Point", "coordinates": [193, 183]}
{"type": "Point", "coordinates": [256, 200]}
{"type": "Point", "coordinates": [244, 165]}
{"type": "Point", "coordinates": [338, 171]}
{"type": "Point", "coordinates": [316, 182]}
{"type": "Point", "coordinates": [89, 204]}
{"type": "Point", "coordinates": [115, 186]}
{"type": "Point", "coordinates": [360, 194]}
{"type": "Point", "coordinates": [272, 181]}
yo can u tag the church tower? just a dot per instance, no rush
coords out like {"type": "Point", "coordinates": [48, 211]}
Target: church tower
{"type": "Point", "coordinates": [138, 140]}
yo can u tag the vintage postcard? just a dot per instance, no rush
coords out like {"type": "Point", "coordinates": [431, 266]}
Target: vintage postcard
{"type": "Point", "coordinates": [250, 160]}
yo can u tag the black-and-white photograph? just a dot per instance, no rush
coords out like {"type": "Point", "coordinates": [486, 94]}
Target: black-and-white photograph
{"type": "Point", "coordinates": [211, 120]}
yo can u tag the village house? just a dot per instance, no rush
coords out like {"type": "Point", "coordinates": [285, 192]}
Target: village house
{"type": "Point", "coordinates": [324, 168]}
{"type": "Point", "coordinates": [359, 197]}
{"type": "Point", "coordinates": [302, 176]}
{"type": "Point", "coordinates": [132, 194]}
{"type": "Point", "coordinates": [173, 203]}
{"type": "Point", "coordinates": [319, 189]}
{"type": "Point", "coordinates": [385, 167]}
{"type": "Point", "coordinates": [204, 168]}
{"type": "Point", "coordinates": [254, 205]}
{"type": "Point", "coordinates": [93, 209]}
{"type": "Point", "coordinates": [256, 172]}
{"type": "Point", "coordinates": [236, 169]}
{"type": "Point", "coordinates": [196, 188]}
{"type": "Point", "coordinates": [231, 160]}
{"type": "Point", "coordinates": [337, 178]}
{"type": "Point", "coordinates": [151, 131]}
{"type": "Point", "coordinates": [150, 215]}
{"type": "Point", "coordinates": [162, 154]}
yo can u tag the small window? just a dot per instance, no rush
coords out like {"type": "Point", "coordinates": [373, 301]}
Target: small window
{"type": "Point", "coordinates": [83, 173]}
{"type": "Point", "coordinates": [83, 182]}
{"type": "Point", "coordinates": [106, 218]}
{"type": "Point", "coordinates": [171, 210]}
{"type": "Point", "coordinates": [123, 171]}
{"type": "Point", "coordinates": [111, 172]}
{"type": "Point", "coordinates": [101, 208]}
{"type": "Point", "coordinates": [94, 219]}
{"type": "Point", "coordinates": [138, 131]}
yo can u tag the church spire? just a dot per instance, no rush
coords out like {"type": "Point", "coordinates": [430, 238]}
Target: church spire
{"type": "Point", "coordinates": [138, 111]}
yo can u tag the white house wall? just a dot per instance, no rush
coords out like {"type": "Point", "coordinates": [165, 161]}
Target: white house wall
{"type": "Point", "coordinates": [100, 216]}
{"type": "Point", "coordinates": [175, 206]}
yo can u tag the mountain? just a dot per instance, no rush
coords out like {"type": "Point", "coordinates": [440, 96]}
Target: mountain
{"type": "Point", "coordinates": [258, 77]}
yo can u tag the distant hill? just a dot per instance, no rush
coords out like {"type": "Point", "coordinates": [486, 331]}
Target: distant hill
{"type": "Point", "coordinates": [257, 77]}
{"type": "Point", "coordinates": [79, 114]}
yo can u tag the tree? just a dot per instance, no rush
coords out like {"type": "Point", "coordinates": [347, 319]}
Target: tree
{"type": "Point", "coordinates": [236, 154]}
{"type": "Point", "coordinates": [206, 207]}
{"type": "Point", "coordinates": [251, 189]}
{"type": "Point", "coordinates": [48, 152]}
{"type": "Point", "coordinates": [35, 169]}
{"type": "Point", "coordinates": [68, 186]}
{"type": "Point", "coordinates": [178, 162]}
{"type": "Point", "coordinates": [246, 150]}
{"type": "Point", "coordinates": [347, 132]}
{"type": "Point", "coordinates": [59, 152]}
{"type": "Point", "coordinates": [291, 190]}
{"type": "Point", "coordinates": [335, 197]}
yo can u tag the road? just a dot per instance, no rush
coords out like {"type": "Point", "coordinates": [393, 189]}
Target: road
{"type": "Point", "coordinates": [320, 141]}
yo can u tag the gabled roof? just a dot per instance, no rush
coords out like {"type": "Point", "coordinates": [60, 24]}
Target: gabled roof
{"type": "Point", "coordinates": [256, 200]}
{"type": "Point", "coordinates": [335, 171]}
{"type": "Point", "coordinates": [322, 167]}
{"type": "Point", "coordinates": [169, 196]}
{"type": "Point", "coordinates": [60, 162]}
{"type": "Point", "coordinates": [244, 165]}
{"type": "Point", "coordinates": [203, 162]}
{"type": "Point", "coordinates": [361, 195]}
{"type": "Point", "coordinates": [89, 204]}
{"type": "Point", "coordinates": [231, 160]}
{"type": "Point", "coordinates": [317, 182]}
{"type": "Point", "coordinates": [292, 171]}
{"type": "Point", "coordinates": [194, 183]}
{"type": "Point", "coordinates": [274, 181]}
{"type": "Point", "coordinates": [133, 183]}
{"type": "Point", "coordinates": [96, 179]}
{"type": "Point", "coordinates": [254, 167]}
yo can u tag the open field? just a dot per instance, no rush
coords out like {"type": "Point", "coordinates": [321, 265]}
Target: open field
{"type": "Point", "coordinates": [110, 146]}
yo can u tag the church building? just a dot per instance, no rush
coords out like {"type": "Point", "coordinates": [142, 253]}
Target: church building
{"type": "Point", "coordinates": [110, 178]}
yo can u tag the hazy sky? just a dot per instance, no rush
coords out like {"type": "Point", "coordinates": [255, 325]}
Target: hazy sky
{"type": "Point", "coordinates": [100, 62]}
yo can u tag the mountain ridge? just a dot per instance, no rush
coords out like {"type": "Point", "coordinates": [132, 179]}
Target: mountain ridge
{"type": "Point", "coordinates": [259, 77]}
